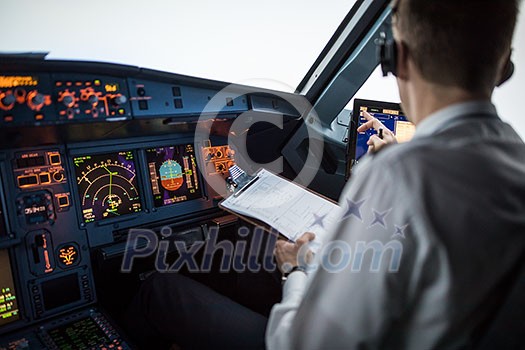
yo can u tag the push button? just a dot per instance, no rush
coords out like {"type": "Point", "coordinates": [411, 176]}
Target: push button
{"type": "Point", "coordinates": [143, 105]}
{"type": "Point", "coordinates": [45, 178]}
{"type": "Point", "coordinates": [54, 159]}
{"type": "Point", "coordinates": [63, 200]}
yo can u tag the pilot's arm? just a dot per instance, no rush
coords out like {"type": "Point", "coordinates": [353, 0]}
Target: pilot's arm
{"type": "Point", "coordinates": [283, 314]}
{"type": "Point", "coordinates": [359, 297]}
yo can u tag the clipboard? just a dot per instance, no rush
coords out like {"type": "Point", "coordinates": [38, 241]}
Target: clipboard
{"type": "Point", "coordinates": [279, 205]}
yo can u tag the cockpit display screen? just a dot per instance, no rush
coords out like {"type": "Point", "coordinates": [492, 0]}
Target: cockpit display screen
{"type": "Point", "coordinates": [3, 230]}
{"type": "Point", "coordinates": [390, 114]}
{"type": "Point", "coordinates": [8, 300]}
{"type": "Point", "coordinates": [107, 185]}
{"type": "Point", "coordinates": [173, 174]}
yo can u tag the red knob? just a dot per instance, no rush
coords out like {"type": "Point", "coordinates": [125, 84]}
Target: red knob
{"type": "Point", "coordinates": [35, 100]}
{"type": "Point", "coordinates": [67, 99]}
{"type": "Point", "coordinates": [7, 101]}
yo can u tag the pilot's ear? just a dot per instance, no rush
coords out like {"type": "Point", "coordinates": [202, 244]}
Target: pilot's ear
{"type": "Point", "coordinates": [402, 60]}
{"type": "Point", "coordinates": [506, 71]}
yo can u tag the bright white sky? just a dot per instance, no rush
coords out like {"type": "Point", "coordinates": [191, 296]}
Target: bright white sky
{"type": "Point", "coordinates": [269, 43]}
{"type": "Point", "coordinates": [229, 40]}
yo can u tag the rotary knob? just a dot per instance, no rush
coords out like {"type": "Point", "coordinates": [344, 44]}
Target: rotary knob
{"type": "Point", "coordinates": [8, 101]}
{"type": "Point", "coordinates": [93, 99]}
{"type": "Point", "coordinates": [35, 100]}
{"type": "Point", "coordinates": [67, 99]}
{"type": "Point", "coordinates": [119, 100]}
{"type": "Point", "coordinates": [58, 176]}
{"type": "Point", "coordinates": [38, 99]}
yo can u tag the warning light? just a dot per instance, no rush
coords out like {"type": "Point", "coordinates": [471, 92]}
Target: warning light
{"type": "Point", "coordinates": [14, 81]}
{"type": "Point", "coordinates": [68, 255]}
{"type": "Point", "coordinates": [111, 87]}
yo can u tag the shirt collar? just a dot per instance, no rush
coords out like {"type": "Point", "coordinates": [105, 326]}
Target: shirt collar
{"type": "Point", "coordinates": [438, 120]}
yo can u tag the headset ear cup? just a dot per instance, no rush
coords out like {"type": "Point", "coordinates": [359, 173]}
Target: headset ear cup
{"type": "Point", "coordinates": [392, 52]}
{"type": "Point", "coordinates": [387, 52]}
{"type": "Point", "coordinates": [380, 53]}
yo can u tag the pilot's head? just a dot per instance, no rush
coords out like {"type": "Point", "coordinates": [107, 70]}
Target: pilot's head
{"type": "Point", "coordinates": [460, 44]}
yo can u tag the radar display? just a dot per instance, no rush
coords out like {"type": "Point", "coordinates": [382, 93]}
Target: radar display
{"type": "Point", "coordinates": [107, 185]}
{"type": "Point", "coordinates": [173, 174]}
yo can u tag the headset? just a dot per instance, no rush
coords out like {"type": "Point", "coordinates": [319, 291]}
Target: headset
{"type": "Point", "coordinates": [387, 56]}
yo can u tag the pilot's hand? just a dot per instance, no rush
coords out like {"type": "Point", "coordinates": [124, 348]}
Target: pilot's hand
{"type": "Point", "coordinates": [375, 144]}
{"type": "Point", "coordinates": [287, 253]}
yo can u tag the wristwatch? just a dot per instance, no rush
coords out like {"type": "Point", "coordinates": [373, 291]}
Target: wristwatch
{"type": "Point", "coordinates": [285, 275]}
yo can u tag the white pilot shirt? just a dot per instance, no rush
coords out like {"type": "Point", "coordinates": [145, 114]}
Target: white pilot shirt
{"type": "Point", "coordinates": [430, 228]}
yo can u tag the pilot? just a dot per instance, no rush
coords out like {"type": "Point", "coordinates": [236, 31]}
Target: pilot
{"type": "Point", "coordinates": [432, 231]}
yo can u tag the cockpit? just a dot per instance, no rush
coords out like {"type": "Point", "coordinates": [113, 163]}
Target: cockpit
{"type": "Point", "coordinates": [95, 152]}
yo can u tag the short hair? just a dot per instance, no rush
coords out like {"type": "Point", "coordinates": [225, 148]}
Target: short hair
{"type": "Point", "coordinates": [458, 42]}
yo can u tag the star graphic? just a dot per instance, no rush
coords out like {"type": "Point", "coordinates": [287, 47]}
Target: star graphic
{"type": "Point", "coordinates": [319, 220]}
{"type": "Point", "coordinates": [400, 231]}
{"type": "Point", "coordinates": [354, 208]}
{"type": "Point", "coordinates": [379, 218]}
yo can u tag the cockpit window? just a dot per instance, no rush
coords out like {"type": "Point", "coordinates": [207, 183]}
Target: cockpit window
{"type": "Point", "coordinates": [269, 44]}
{"type": "Point", "coordinates": [377, 87]}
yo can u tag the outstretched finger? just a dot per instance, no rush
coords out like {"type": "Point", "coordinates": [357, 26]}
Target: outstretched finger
{"type": "Point", "coordinates": [372, 123]}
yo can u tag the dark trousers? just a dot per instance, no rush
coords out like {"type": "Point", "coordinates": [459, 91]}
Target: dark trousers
{"type": "Point", "coordinates": [171, 308]}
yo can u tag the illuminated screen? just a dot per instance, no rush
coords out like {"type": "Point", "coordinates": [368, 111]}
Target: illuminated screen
{"type": "Point", "coordinates": [60, 291]}
{"type": "Point", "coordinates": [8, 300]}
{"type": "Point", "coordinates": [3, 230]}
{"type": "Point", "coordinates": [390, 114]}
{"type": "Point", "coordinates": [107, 185]}
{"type": "Point", "coordinates": [173, 174]}
{"type": "Point", "coordinates": [82, 334]}
{"type": "Point", "coordinates": [14, 81]}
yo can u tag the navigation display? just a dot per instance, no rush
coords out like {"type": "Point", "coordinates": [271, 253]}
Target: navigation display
{"type": "Point", "coordinates": [107, 185]}
{"type": "Point", "coordinates": [173, 174]}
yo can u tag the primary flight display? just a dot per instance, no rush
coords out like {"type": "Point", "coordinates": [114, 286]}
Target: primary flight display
{"type": "Point", "coordinates": [173, 174]}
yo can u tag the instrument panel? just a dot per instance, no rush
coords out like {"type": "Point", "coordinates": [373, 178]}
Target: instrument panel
{"type": "Point", "coordinates": [38, 168]}
{"type": "Point", "coordinates": [76, 199]}
{"type": "Point", "coordinates": [88, 152]}
{"type": "Point", "coordinates": [50, 99]}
